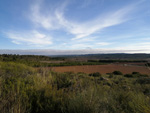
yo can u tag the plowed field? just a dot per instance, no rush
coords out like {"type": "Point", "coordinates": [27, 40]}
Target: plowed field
{"type": "Point", "coordinates": [103, 69]}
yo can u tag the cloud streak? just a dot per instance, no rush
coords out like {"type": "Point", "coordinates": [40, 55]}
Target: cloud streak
{"type": "Point", "coordinates": [52, 26]}
{"type": "Point", "coordinates": [41, 19]}
{"type": "Point", "coordinates": [56, 20]}
{"type": "Point", "coordinates": [29, 38]}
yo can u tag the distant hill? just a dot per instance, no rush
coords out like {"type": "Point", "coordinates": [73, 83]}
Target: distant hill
{"type": "Point", "coordinates": [118, 56]}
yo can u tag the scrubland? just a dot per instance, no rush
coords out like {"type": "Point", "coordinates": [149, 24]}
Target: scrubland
{"type": "Point", "coordinates": [26, 89]}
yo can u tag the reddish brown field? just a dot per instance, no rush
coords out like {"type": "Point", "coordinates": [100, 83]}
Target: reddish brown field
{"type": "Point", "coordinates": [103, 69]}
{"type": "Point", "coordinates": [55, 62]}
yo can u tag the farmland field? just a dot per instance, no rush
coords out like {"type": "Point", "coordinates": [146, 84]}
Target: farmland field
{"type": "Point", "coordinates": [125, 69]}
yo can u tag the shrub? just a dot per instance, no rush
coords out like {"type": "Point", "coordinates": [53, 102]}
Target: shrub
{"type": "Point", "coordinates": [135, 73]}
{"type": "Point", "coordinates": [110, 75]}
{"type": "Point", "coordinates": [144, 75]}
{"type": "Point", "coordinates": [117, 73]}
{"type": "Point", "coordinates": [143, 80]}
{"type": "Point", "coordinates": [146, 91]}
{"type": "Point", "coordinates": [50, 92]}
{"type": "Point", "coordinates": [128, 75]}
{"type": "Point", "coordinates": [62, 81]}
{"type": "Point", "coordinates": [15, 69]}
{"type": "Point", "coordinates": [97, 74]}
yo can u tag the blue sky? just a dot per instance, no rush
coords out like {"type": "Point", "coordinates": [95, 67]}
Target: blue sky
{"type": "Point", "coordinates": [71, 25]}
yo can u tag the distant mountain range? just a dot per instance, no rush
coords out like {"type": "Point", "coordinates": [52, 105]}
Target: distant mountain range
{"type": "Point", "coordinates": [80, 54]}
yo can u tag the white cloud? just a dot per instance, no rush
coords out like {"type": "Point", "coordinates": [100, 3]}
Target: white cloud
{"type": "Point", "coordinates": [91, 39]}
{"type": "Point", "coordinates": [143, 46]}
{"type": "Point", "coordinates": [56, 19]}
{"type": "Point", "coordinates": [46, 17]}
{"type": "Point", "coordinates": [81, 30]}
{"type": "Point", "coordinates": [30, 38]}
{"type": "Point", "coordinates": [80, 46]}
{"type": "Point", "coordinates": [42, 19]}
{"type": "Point", "coordinates": [16, 42]}
{"type": "Point", "coordinates": [103, 43]}
{"type": "Point", "coordinates": [98, 24]}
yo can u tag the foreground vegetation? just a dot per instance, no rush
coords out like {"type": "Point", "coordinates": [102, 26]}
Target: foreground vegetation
{"type": "Point", "coordinates": [26, 90]}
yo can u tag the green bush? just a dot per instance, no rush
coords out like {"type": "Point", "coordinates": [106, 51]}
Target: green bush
{"type": "Point", "coordinates": [143, 80]}
{"type": "Point", "coordinates": [63, 80]}
{"type": "Point", "coordinates": [15, 69]}
{"type": "Point", "coordinates": [110, 75]}
{"type": "Point", "coordinates": [128, 75]}
{"type": "Point", "coordinates": [135, 73]}
{"type": "Point", "coordinates": [97, 74]}
{"type": "Point", "coordinates": [117, 73]}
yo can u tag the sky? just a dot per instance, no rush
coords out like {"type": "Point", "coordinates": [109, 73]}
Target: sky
{"type": "Point", "coordinates": [75, 26]}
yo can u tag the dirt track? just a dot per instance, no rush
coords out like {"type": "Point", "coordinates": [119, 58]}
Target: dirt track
{"type": "Point", "coordinates": [103, 69]}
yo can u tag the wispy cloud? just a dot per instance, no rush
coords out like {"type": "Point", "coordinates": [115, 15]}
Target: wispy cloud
{"type": "Point", "coordinates": [79, 46]}
{"type": "Point", "coordinates": [143, 46]}
{"type": "Point", "coordinates": [42, 19]}
{"type": "Point", "coordinates": [46, 17]}
{"type": "Point", "coordinates": [103, 43]}
{"type": "Point", "coordinates": [85, 29]}
{"type": "Point", "coordinates": [56, 19]}
{"type": "Point", "coordinates": [53, 17]}
{"type": "Point", "coordinates": [29, 38]}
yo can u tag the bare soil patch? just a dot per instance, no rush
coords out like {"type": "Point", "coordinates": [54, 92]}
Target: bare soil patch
{"type": "Point", "coordinates": [55, 62]}
{"type": "Point", "coordinates": [103, 69]}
